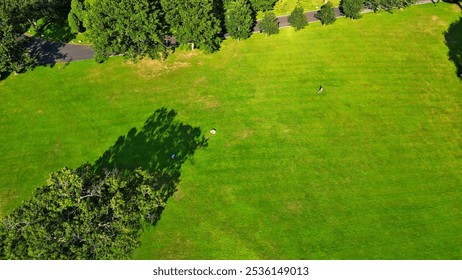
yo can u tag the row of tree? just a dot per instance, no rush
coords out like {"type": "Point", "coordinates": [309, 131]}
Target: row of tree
{"type": "Point", "coordinates": [135, 28]}
{"type": "Point", "coordinates": [270, 25]}
{"type": "Point", "coordinates": [352, 8]}
{"type": "Point", "coordinates": [387, 5]}
{"type": "Point", "coordinates": [138, 28]}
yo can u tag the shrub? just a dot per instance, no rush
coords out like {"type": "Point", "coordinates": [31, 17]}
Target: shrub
{"type": "Point", "coordinates": [297, 18]}
{"type": "Point", "coordinates": [326, 15]}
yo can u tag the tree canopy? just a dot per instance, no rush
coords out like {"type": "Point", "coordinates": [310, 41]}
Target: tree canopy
{"type": "Point", "coordinates": [297, 18]}
{"type": "Point", "coordinates": [194, 22]}
{"type": "Point", "coordinates": [326, 15]}
{"type": "Point", "coordinates": [33, 10]}
{"type": "Point", "coordinates": [352, 8]}
{"type": "Point", "coordinates": [81, 215]}
{"type": "Point", "coordinates": [133, 28]}
{"type": "Point", "coordinates": [14, 55]}
{"type": "Point", "coordinates": [262, 5]}
{"type": "Point", "coordinates": [387, 5]}
{"type": "Point", "coordinates": [238, 19]}
{"type": "Point", "coordinates": [269, 24]}
{"type": "Point", "coordinates": [77, 15]}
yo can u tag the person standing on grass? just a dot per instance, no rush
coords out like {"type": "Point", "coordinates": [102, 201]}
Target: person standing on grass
{"type": "Point", "coordinates": [320, 89]}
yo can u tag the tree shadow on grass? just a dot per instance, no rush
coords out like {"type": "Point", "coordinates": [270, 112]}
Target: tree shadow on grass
{"type": "Point", "coordinates": [4, 75]}
{"type": "Point", "coordinates": [453, 38]}
{"type": "Point", "coordinates": [152, 147]}
{"type": "Point", "coordinates": [457, 2]}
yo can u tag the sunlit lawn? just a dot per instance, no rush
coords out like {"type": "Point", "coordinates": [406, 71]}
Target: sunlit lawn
{"type": "Point", "coordinates": [368, 170]}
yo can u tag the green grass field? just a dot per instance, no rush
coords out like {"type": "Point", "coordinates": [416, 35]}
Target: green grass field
{"type": "Point", "coordinates": [371, 169]}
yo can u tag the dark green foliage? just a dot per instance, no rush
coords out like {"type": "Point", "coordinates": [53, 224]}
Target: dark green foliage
{"type": "Point", "coordinates": [80, 215]}
{"type": "Point", "coordinates": [387, 5]}
{"type": "Point", "coordinates": [262, 5]}
{"type": "Point", "coordinates": [326, 15]}
{"type": "Point", "coordinates": [14, 56]}
{"type": "Point", "coordinates": [133, 28]}
{"type": "Point", "coordinates": [453, 38]}
{"type": "Point", "coordinates": [372, 4]}
{"type": "Point", "coordinates": [13, 11]}
{"type": "Point", "coordinates": [33, 10]}
{"type": "Point", "coordinates": [352, 8]}
{"type": "Point", "coordinates": [269, 24]}
{"type": "Point", "coordinates": [238, 19]}
{"type": "Point", "coordinates": [194, 22]}
{"type": "Point", "coordinates": [77, 15]}
{"type": "Point", "coordinates": [297, 18]}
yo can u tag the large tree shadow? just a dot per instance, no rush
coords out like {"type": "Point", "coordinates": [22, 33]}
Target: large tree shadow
{"type": "Point", "coordinates": [161, 147]}
{"type": "Point", "coordinates": [4, 75]}
{"type": "Point", "coordinates": [453, 37]}
{"type": "Point", "coordinates": [457, 2]}
{"type": "Point", "coordinates": [46, 53]}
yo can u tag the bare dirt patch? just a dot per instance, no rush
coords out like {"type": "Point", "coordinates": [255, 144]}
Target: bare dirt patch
{"type": "Point", "coordinates": [209, 102]}
{"type": "Point", "coordinates": [294, 207]}
{"type": "Point", "coordinates": [456, 8]}
{"type": "Point", "coordinates": [244, 134]}
{"type": "Point", "coordinates": [149, 69]}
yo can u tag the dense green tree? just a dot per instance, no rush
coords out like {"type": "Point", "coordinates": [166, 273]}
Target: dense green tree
{"type": "Point", "coordinates": [33, 10]}
{"type": "Point", "coordinates": [352, 8]}
{"type": "Point", "coordinates": [14, 56]}
{"type": "Point", "coordinates": [194, 22]}
{"type": "Point", "coordinates": [405, 3]}
{"type": "Point", "coordinates": [133, 28]}
{"type": "Point", "coordinates": [326, 15]}
{"type": "Point", "coordinates": [13, 11]}
{"type": "Point", "coordinates": [372, 4]}
{"type": "Point", "coordinates": [81, 215]}
{"type": "Point", "coordinates": [238, 19]}
{"type": "Point", "coordinates": [269, 24]}
{"type": "Point", "coordinates": [297, 18]}
{"type": "Point", "coordinates": [77, 15]}
{"type": "Point", "coordinates": [262, 5]}
{"type": "Point", "coordinates": [387, 5]}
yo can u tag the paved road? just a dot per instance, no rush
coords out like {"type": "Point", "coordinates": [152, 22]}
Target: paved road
{"type": "Point", "coordinates": [48, 53]}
